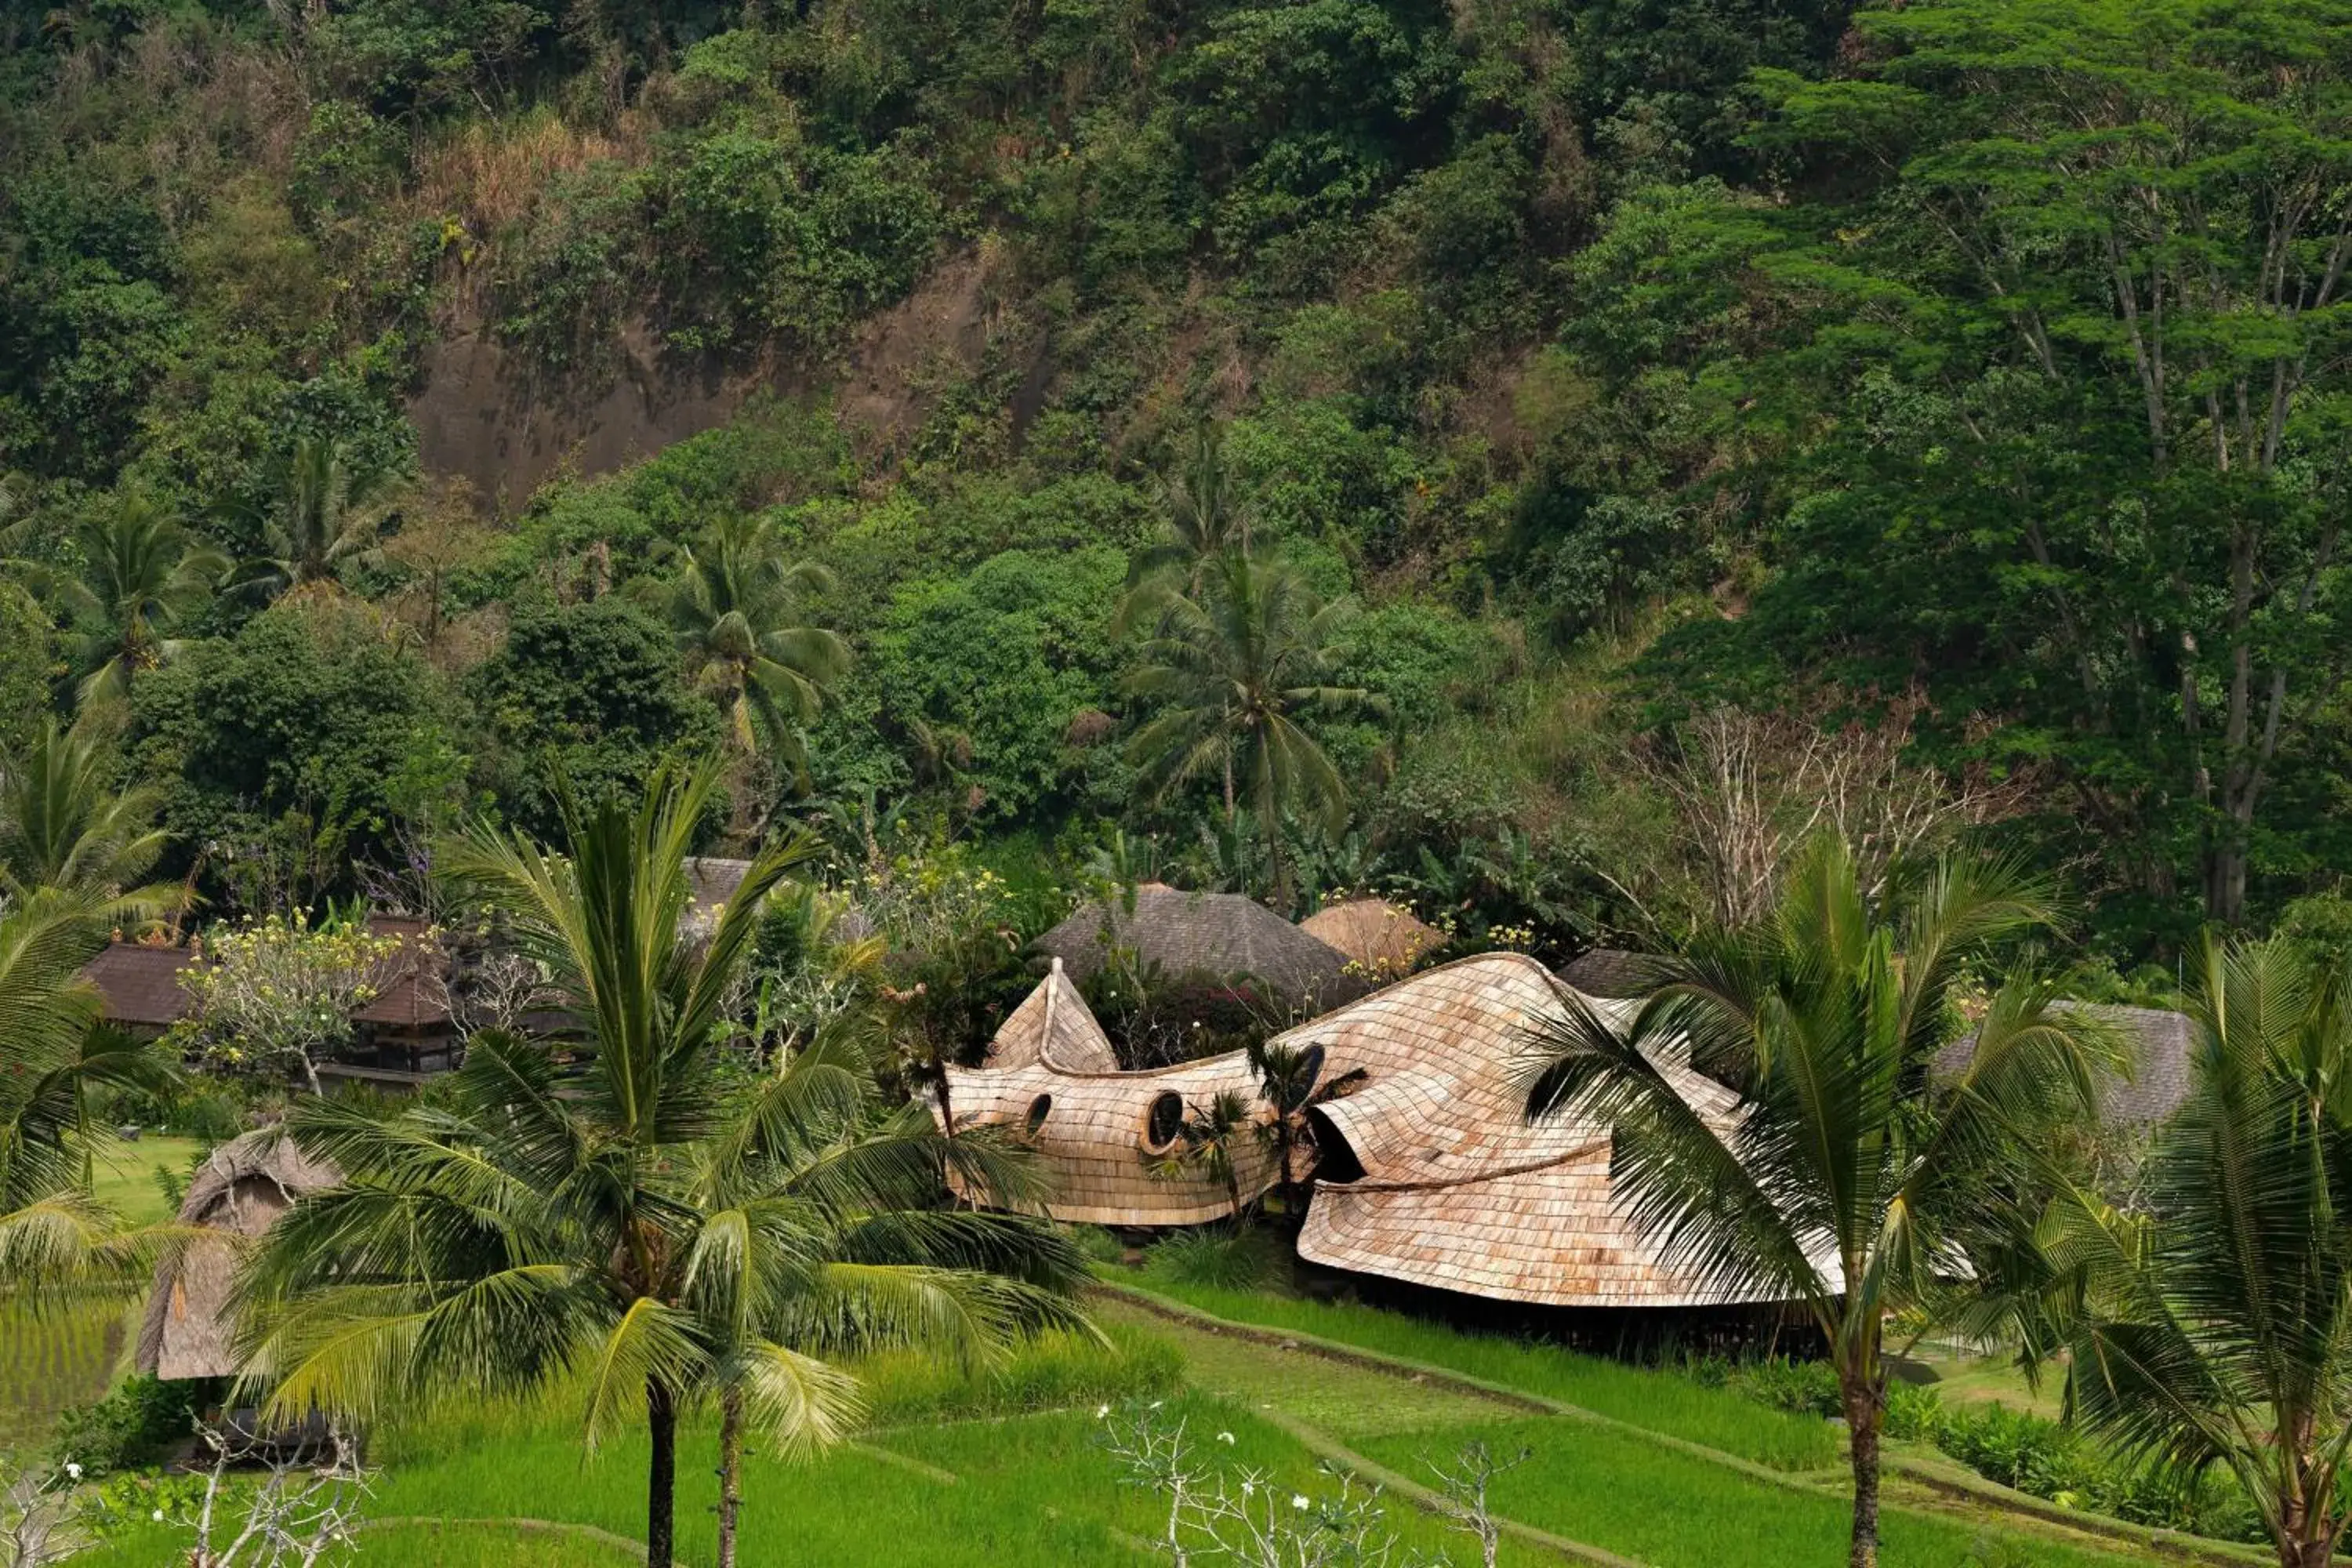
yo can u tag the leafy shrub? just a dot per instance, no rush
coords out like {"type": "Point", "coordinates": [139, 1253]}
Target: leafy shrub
{"type": "Point", "coordinates": [1217, 1256]}
{"type": "Point", "coordinates": [138, 1419]}
{"type": "Point", "coordinates": [1802, 1386]}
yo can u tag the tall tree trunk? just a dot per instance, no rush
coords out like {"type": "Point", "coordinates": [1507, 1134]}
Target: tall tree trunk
{"type": "Point", "coordinates": [661, 1476]}
{"type": "Point", "coordinates": [731, 1472]}
{"type": "Point", "coordinates": [1865, 1403]}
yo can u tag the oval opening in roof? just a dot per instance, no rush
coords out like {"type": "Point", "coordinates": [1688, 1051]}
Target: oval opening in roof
{"type": "Point", "coordinates": [1164, 1119]}
{"type": "Point", "coordinates": [1039, 1108]}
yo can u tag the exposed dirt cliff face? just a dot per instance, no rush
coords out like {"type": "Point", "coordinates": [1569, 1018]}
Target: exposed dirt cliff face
{"type": "Point", "coordinates": [486, 415]}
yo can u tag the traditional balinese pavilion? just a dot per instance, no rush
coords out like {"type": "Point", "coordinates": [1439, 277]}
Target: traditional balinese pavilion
{"type": "Point", "coordinates": [1429, 1173]}
{"type": "Point", "coordinates": [1381, 941]}
{"type": "Point", "coordinates": [243, 1186]}
{"type": "Point", "coordinates": [137, 985]}
{"type": "Point", "coordinates": [1221, 935]}
{"type": "Point", "coordinates": [408, 1033]}
{"type": "Point", "coordinates": [1050, 1076]}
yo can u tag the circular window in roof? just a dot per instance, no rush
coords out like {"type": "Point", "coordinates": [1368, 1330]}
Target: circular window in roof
{"type": "Point", "coordinates": [1039, 1108]}
{"type": "Point", "coordinates": [1165, 1119]}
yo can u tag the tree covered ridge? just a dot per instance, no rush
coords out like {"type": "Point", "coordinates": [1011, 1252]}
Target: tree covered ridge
{"type": "Point", "coordinates": [1653, 374]}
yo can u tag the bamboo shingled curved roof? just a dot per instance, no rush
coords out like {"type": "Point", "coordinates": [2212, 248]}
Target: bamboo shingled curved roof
{"type": "Point", "coordinates": [1457, 1191]}
{"type": "Point", "coordinates": [243, 1186]}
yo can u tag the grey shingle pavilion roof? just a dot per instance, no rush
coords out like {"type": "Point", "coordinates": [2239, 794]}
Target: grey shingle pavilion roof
{"type": "Point", "coordinates": [2159, 1045]}
{"type": "Point", "coordinates": [1220, 935]}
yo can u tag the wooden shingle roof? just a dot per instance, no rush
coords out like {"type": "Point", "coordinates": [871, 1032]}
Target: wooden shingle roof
{"type": "Point", "coordinates": [243, 1186]}
{"type": "Point", "coordinates": [1459, 1192]}
{"type": "Point", "coordinates": [1610, 972]}
{"type": "Point", "coordinates": [414, 985]}
{"type": "Point", "coordinates": [1092, 1125]}
{"type": "Point", "coordinates": [1220, 934]}
{"type": "Point", "coordinates": [1054, 1026]}
{"type": "Point", "coordinates": [139, 985]}
{"type": "Point", "coordinates": [2159, 1045]}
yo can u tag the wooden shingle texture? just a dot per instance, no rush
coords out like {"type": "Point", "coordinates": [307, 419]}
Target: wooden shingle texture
{"type": "Point", "coordinates": [1094, 1133]}
{"type": "Point", "coordinates": [1459, 1190]}
{"type": "Point", "coordinates": [1222, 935]}
{"type": "Point", "coordinates": [139, 985]}
{"type": "Point", "coordinates": [2158, 1046]}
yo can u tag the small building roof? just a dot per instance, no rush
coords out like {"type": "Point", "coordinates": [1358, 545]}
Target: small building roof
{"type": "Point", "coordinates": [414, 990]}
{"type": "Point", "coordinates": [1220, 934]}
{"type": "Point", "coordinates": [1610, 972]}
{"type": "Point", "coordinates": [1054, 1025]}
{"type": "Point", "coordinates": [138, 984]}
{"type": "Point", "coordinates": [1092, 1126]}
{"type": "Point", "coordinates": [1379, 938]}
{"type": "Point", "coordinates": [1459, 1190]}
{"type": "Point", "coordinates": [242, 1188]}
{"type": "Point", "coordinates": [2159, 1047]}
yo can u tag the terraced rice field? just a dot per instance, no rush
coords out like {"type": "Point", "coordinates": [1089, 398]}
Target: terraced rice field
{"type": "Point", "coordinates": [50, 1361]}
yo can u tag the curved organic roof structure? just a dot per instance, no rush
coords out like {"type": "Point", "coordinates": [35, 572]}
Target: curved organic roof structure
{"type": "Point", "coordinates": [1459, 1190]}
{"type": "Point", "coordinates": [1446, 1182]}
{"type": "Point", "coordinates": [1220, 935]}
{"type": "Point", "coordinates": [243, 1186]}
{"type": "Point", "coordinates": [1051, 1076]}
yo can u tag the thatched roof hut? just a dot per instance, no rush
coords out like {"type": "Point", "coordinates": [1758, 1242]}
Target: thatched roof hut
{"type": "Point", "coordinates": [1224, 935]}
{"type": "Point", "coordinates": [1381, 939]}
{"type": "Point", "coordinates": [2159, 1047]}
{"type": "Point", "coordinates": [242, 1187]}
{"type": "Point", "coordinates": [1050, 1076]}
{"type": "Point", "coordinates": [1456, 1190]}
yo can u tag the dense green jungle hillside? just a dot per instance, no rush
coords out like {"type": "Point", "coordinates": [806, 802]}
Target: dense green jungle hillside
{"type": "Point", "coordinates": [1602, 441]}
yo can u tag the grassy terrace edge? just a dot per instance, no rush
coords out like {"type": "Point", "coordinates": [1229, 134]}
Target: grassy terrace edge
{"type": "Point", "coordinates": [1936, 1474]}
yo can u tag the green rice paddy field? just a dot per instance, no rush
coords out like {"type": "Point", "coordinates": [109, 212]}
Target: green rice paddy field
{"type": "Point", "coordinates": [984, 1470]}
{"type": "Point", "coordinates": [69, 1357]}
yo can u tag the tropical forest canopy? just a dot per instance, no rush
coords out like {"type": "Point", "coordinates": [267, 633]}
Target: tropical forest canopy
{"type": "Point", "coordinates": [1599, 441]}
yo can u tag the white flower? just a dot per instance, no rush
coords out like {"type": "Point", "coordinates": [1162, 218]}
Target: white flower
{"type": "Point", "coordinates": [1225, 1437]}
{"type": "Point", "coordinates": [1299, 1502]}
{"type": "Point", "coordinates": [157, 1516]}
{"type": "Point", "coordinates": [1249, 1488]}
{"type": "Point", "coordinates": [73, 1471]}
{"type": "Point", "coordinates": [1102, 1412]}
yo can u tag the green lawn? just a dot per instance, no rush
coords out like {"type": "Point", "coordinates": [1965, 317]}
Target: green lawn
{"type": "Point", "coordinates": [1720, 1418]}
{"type": "Point", "coordinates": [126, 1174]}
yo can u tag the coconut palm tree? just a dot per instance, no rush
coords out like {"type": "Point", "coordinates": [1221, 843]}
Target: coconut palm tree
{"type": "Point", "coordinates": [64, 824]}
{"type": "Point", "coordinates": [143, 576]}
{"type": "Point", "coordinates": [1292, 1083]}
{"type": "Point", "coordinates": [2214, 1325]}
{"type": "Point", "coordinates": [1209, 514]}
{"type": "Point", "coordinates": [319, 511]}
{"type": "Point", "coordinates": [1851, 1178]}
{"type": "Point", "coordinates": [822, 1235]}
{"type": "Point", "coordinates": [1234, 671]}
{"type": "Point", "coordinates": [55, 1238]}
{"type": "Point", "coordinates": [735, 611]}
{"type": "Point", "coordinates": [620, 1221]}
{"type": "Point", "coordinates": [1209, 1142]}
